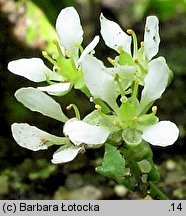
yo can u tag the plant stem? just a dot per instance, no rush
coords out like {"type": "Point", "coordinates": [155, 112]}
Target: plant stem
{"type": "Point", "coordinates": [156, 193]}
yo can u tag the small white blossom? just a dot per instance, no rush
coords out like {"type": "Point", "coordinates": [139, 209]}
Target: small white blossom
{"type": "Point", "coordinates": [78, 132]}
{"type": "Point", "coordinates": [70, 34]}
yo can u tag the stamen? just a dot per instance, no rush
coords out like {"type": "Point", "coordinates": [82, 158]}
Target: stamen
{"type": "Point", "coordinates": [112, 61]}
{"type": "Point", "coordinates": [116, 78]}
{"type": "Point", "coordinates": [154, 110]}
{"type": "Point", "coordinates": [79, 46]}
{"type": "Point", "coordinates": [74, 107]}
{"type": "Point", "coordinates": [56, 69]}
{"type": "Point", "coordinates": [58, 47]}
{"type": "Point", "coordinates": [67, 53]}
{"type": "Point", "coordinates": [139, 65]}
{"type": "Point", "coordinates": [135, 92]}
{"type": "Point", "coordinates": [135, 42]}
{"type": "Point", "coordinates": [46, 55]}
{"type": "Point", "coordinates": [123, 99]}
{"type": "Point", "coordinates": [98, 107]}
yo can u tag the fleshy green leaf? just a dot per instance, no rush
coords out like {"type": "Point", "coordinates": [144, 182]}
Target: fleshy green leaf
{"type": "Point", "coordinates": [113, 165]}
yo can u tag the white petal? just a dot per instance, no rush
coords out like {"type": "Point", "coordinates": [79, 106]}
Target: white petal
{"type": "Point", "coordinates": [33, 69]}
{"type": "Point", "coordinates": [100, 84]}
{"type": "Point", "coordinates": [65, 155]}
{"type": "Point", "coordinates": [69, 30]}
{"type": "Point", "coordinates": [38, 101]}
{"type": "Point", "coordinates": [80, 132]}
{"type": "Point", "coordinates": [164, 133]}
{"type": "Point", "coordinates": [155, 81]}
{"type": "Point", "coordinates": [114, 36]}
{"type": "Point", "coordinates": [89, 48]}
{"type": "Point", "coordinates": [33, 138]}
{"type": "Point", "coordinates": [151, 37]}
{"type": "Point", "coordinates": [55, 89]}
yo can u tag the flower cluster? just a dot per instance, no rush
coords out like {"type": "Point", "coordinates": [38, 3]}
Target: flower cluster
{"type": "Point", "coordinates": [122, 93]}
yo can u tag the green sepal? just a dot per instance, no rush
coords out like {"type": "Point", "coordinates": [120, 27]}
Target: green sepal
{"type": "Point", "coordinates": [146, 120]}
{"type": "Point", "coordinates": [131, 136]}
{"type": "Point", "coordinates": [126, 112]}
{"type": "Point", "coordinates": [115, 138]}
{"type": "Point", "coordinates": [98, 118]}
{"type": "Point", "coordinates": [113, 165]}
{"type": "Point", "coordinates": [171, 75]}
{"type": "Point", "coordinates": [67, 69]}
{"type": "Point", "coordinates": [125, 58]}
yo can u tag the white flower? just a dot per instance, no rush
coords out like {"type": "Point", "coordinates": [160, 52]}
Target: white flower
{"type": "Point", "coordinates": [155, 82]}
{"type": "Point", "coordinates": [164, 133]}
{"type": "Point", "coordinates": [114, 36]}
{"type": "Point", "coordinates": [151, 37]}
{"type": "Point", "coordinates": [78, 132]}
{"type": "Point", "coordinates": [70, 32]}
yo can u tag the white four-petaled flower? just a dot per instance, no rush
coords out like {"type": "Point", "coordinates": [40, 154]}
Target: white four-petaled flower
{"type": "Point", "coordinates": [77, 132]}
{"type": "Point", "coordinates": [70, 34]}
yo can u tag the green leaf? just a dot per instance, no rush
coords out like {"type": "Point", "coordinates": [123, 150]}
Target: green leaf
{"type": "Point", "coordinates": [113, 165]}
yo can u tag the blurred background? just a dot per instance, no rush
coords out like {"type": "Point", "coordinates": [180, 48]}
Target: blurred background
{"type": "Point", "coordinates": [28, 27]}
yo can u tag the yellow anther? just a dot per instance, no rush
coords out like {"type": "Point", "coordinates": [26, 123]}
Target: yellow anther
{"type": "Point", "coordinates": [112, 61]}
{"type": "Point", "coordinates": [98, 107]}
{"type": "Point", "coordinates": [130, 31]}
{"type": "Point", "coordinates": [116, 77]}
{"type": "Point", "coordinates": [154, 109]}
